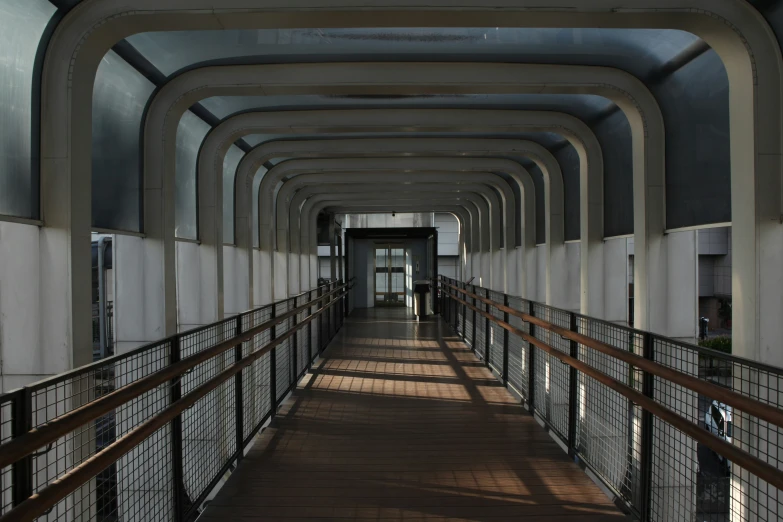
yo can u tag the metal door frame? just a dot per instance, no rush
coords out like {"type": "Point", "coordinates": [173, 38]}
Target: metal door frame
{"type": "Point", "coordinates": [388, 246]}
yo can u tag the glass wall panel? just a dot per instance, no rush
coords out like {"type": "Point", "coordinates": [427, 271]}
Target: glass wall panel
{"type": "Point", "coordinates": [254, 204]}
{"type": "Point", "coordinates": [538, 182]}
{"type": "Point", "coordinates": [190, 133]}
{"type": "Point", "coordinates": [614, 135]}
{"type": "Point", "coordinates": [22, 24]}
{"type": "Point", "coordinates": [568, 159]}
{"type": "Point", "coordinates": [695, 105]}
{"type": "Point", "coordinates": [118, 101]}
{"type": "Point", "coordinates": [637, 50]}
{"type": "Point", "coordinates": [230, 163]}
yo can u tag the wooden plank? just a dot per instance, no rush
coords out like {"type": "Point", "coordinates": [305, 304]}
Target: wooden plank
{"type": "Point", "coordinates": [422, 433]}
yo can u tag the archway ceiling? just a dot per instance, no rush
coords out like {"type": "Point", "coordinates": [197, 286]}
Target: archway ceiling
{"type": "Point", "coordinates": [547, 139]}
{"type": "Point", "coordinates": [583, 106]}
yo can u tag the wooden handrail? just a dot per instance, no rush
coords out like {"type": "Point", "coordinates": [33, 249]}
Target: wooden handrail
{"type": "Point", "coordinates": [725, 395]}
{"type": "Point", "coordinates": [19, 447]}
{"type": "Point", "coordinates": [39, 503]}
{"type": "Point", "coordinates": [742, 458]}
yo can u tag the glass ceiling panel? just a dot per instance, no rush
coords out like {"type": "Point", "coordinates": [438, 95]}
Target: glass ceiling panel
{"type": "Point", "coordinates": [637, 50]}
{"type": "Point", "coordinates": [583, 106]}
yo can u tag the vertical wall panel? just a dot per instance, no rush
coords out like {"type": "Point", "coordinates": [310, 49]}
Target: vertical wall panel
{"type": "Point", "coordinates": [118, 101]}
{"type": "Point", "coordinates": [538, 182]}
{"type": "Point", "coordinates": [695, 105]}
{"type": "Point", "coordinates": [190, 133]}
{"type": "Point", "coordinates": [22, 24]}
{"type": "Point", "coordinates": [230, 163]}
{"type": "Point", "coordinates": [614, 135]}
{"type": "Point", "coordinates": [568, 159]}
{"type": "Point", "coordinates": [254, 204]}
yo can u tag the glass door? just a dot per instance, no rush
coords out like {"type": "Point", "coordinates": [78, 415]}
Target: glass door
{"type": "Point", "coordinates": [389, 275]}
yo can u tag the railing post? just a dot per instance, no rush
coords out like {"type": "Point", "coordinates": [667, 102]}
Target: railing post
{"type": "Point", "coordinates": [238, 391]}
{"type": "Point", "coordinates": [531, 361]}
{"type": "Point", "coordinates": [473, 337]}
{"type": "Point", "coordinates": [647, 433]}
{"type": "Point", "coordinates": [273, 369]}
{"type": "Point", "coordinates": [294, 348]}
{"type": "Point", "coordinates": [22, 470]}
{"type": "Point", "coordinates": [505, 343]}
{"type": "Point", "coordinates": [572, 389]}
{"type": "Point", "coordinates": [177, 466]}
{"type": "Point", "coordinates": [464, 311]}
{"type": "Point", "coordinates": [330, 311]}
{"type": "Point", "coordinates": [309, 332]}
{"type": "Point", "coordinates": [321, 319]}
{"type": "Point", "coordinates": [487, 330]}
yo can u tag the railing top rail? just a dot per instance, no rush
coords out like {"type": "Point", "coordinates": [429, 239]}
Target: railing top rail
{"type": "Point", "coordinates": [641, 333]}
{"type": "Point", "coordinates": [760, 409]}
{"type": "Point", "coordinates": [750, 462]}
{"type": "Point", "coordinates": [36, 502]}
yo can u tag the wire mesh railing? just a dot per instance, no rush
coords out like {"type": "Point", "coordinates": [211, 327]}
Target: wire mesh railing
{"type": "Point", "coordinates": [149, 434]}
{"type": "Point", "coordinates": [674, 430]}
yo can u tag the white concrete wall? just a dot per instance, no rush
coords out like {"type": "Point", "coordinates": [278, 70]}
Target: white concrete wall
{"type": "Point", "coordinates": [24, 359]}
{"type": "Point", "coordinates": [448, 234]}
{"type": "Point", "coordinates": [235, 280]}
{"type": "Point", "coordinates": [573, 282]}
{"type": "Point", "coordinates": [193, 309]}
{"type": "Point", "coordinates": [404, 220]}
{"type": "Point", "coordinates": [682, 285]}
{"type": "Point", "coordinates": [540, 272]}
{"type": "Point", "coordinates": [448, 266]}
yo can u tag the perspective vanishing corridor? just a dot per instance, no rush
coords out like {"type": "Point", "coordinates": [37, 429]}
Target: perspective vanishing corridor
{"type": "Point", "coordinates": [401, 421]}
{"type": "Point", "coordinates": [391, 259]}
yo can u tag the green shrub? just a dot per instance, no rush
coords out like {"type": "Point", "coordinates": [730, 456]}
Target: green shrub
{"type": "Point", "coordinates": [720, 344]}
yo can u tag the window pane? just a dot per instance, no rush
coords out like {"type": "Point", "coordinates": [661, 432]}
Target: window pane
{"type": "Point", "coordinates": [118, 101]}
{"type": "Point", "coordinates": [190, 134]}
{"type": "Point", "coordinates": [21, 25]}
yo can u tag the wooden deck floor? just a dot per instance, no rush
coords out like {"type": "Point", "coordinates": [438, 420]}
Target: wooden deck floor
{"type": "Point", "coordinates": [401, 422]}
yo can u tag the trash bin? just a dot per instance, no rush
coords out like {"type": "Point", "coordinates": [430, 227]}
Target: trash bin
{"type": "Point", "coordinates": [421, 297]}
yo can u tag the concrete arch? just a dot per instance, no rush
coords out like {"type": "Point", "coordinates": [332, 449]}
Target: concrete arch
{"type": "Point", "coordinates": [393, 147]}
{"type": "Point", "coordinates": [290, 170]}
{"type": "Point", "coordinates": [341, 172]}
{"type": "Point", "coordinates": [465, 208]}
{"type": "Point", "coordinates": [380, 206]}
{"type": "Point", "coordinates": [390, 147]}
{"type": "Point", "coordinates": [632, 96]}
{"type": "Point", "coordinates": [299, 227]}
{"type": "Point", "coordinates": [733, 28]}
{"type": "Point", "coordinates": [465, 213]}
{"type": "Point", "coordinates": [430, 120]}
{"type": "Point", "coordinates": [629, 93]}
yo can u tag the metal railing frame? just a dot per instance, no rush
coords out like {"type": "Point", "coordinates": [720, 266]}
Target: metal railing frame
{"type": "Point", "coordinates": [455, 294]}
{"type": "Point", "coordinates": [27, 442]}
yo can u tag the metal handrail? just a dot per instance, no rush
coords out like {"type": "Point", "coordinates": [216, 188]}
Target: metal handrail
{"type": "Point", "coordinates": [774, 415]}
{"type": "Point", "coordinates": [47, 497]}
{"type": "Point", "coordinates": [732, 398]}
{"type": "Point", "coordinates": [26, 443]}
{"type": "Point", "coordinates": [37, 438]}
